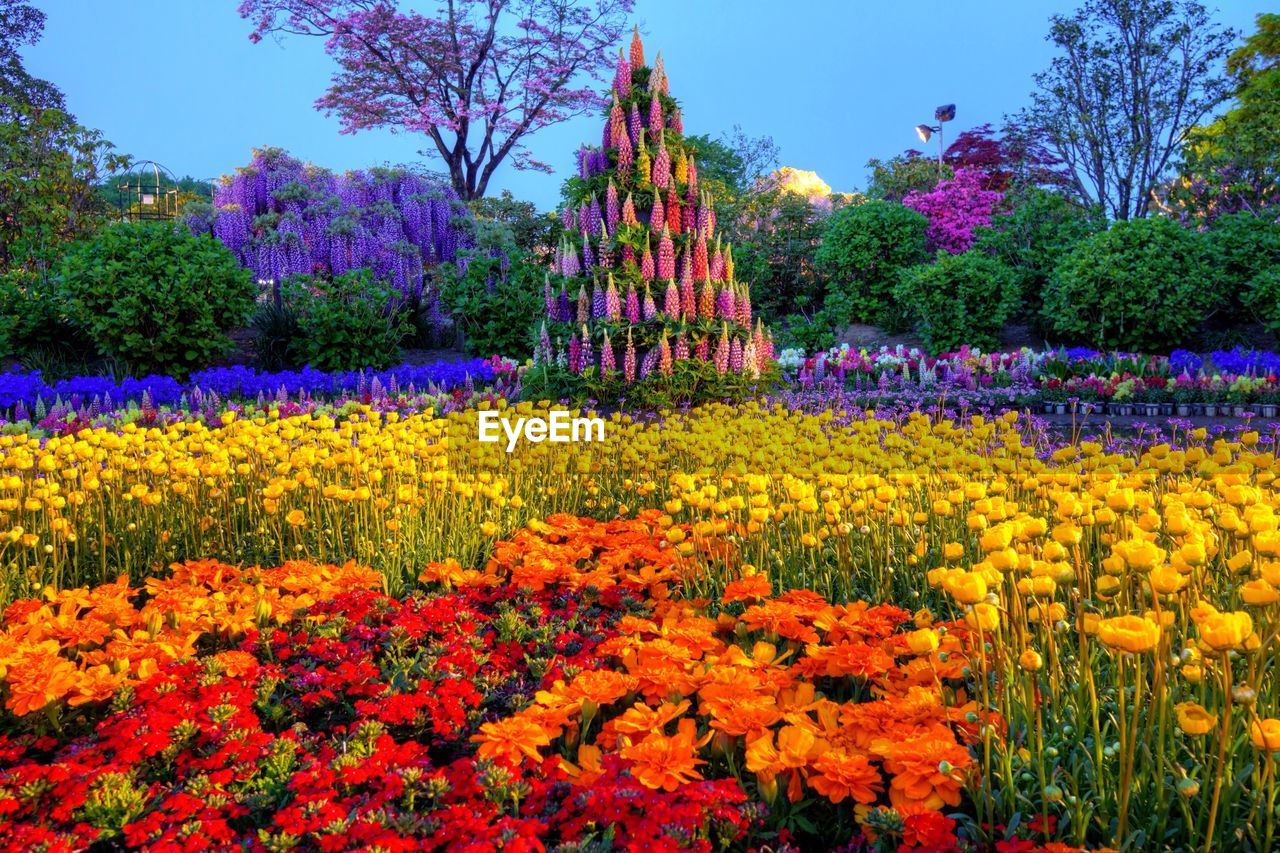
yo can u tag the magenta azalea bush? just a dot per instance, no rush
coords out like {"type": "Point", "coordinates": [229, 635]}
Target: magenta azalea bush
{"type": "Point", "coordinates": [956, 208]}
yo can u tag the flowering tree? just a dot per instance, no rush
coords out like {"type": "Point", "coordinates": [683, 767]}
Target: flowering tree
{"type": "Point", "coordinates": [282, 217]}
{"type": "Point", "coordinates": [956, 208]}
{"type": "Point", "coordinates": [1013, 159]}
{"type": "Point", "coordinates": [476, 76]}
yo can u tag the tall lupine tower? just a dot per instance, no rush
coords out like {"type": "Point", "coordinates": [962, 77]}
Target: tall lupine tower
{"type": "Point", "coordinates": [640, 237]}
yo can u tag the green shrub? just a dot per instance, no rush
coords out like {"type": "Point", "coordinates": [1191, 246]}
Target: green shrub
{"type": "Point", "coordinates": [1033, 237]}
{"type": "Point", "coordinates": [496, 302]}
{"type": "Point", "coordinates": [32, 313]}
{"type": "Point", "coordinates": [154, 297]}
{"type": "Point", "coordinates": [349, 322]}
{"type": "Point", "coordinates": [1245, 246]}
{"type": "Point", "coordinates": [1143, 284]}
{"type": "Point", "coordinates": [864, 249]}
{"type": "Point", "coordinates": [959, 299]}
{"type": "Point", "coordinates": [1263, 295]}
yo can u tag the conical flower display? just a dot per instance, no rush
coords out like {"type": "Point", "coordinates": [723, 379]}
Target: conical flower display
{"type": "Point", "coordinates": [640, 238]}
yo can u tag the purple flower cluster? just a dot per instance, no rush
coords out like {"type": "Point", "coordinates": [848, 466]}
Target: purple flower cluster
{"type": "Point", "coordinates": [1238, 361]}
{"type": "Point", "coordinates": [283, 217]}
{"type": "Point", "coordinates": [22, 394]}
{"type": "Point", "coordinates": [956, 208]}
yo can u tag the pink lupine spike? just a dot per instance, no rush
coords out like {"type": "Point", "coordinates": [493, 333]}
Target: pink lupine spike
{"type": "Point", "coordinates": [612, 303]}
{"type": "Point", "coordinates": [666, 256]}
{"type": "Point", "coordinates": [661, 173]}
{"type": "Point", "coordinates": [612, 212]}
{"type": "Point", "coordinates": [606, 356]}
{"type": "Point", "coordinates": [622, 75]}
{"type": "Point", "coordinates": [658, 217]}
{"type": "Point", "coordinates": [646, 262]}
{"type": "Point", "coordinates": [722, 351]}
{"type": "Point", "coordinates": [629, 212]}
{"type": "Point", "coordinates": [655, 124]}
{"type": "Point", "coordinates": [671, 301]}
{"type": "Point", "coordinates": [629, 360]}
{"type": "Point", "coordinates": [664, 355]}
{"type": "Point", "coordinates": [735, 356]}
{"type": "Point", "coordinates": [617, 123]}
{"type": "Point", "coordinates": [700, 268]}
{"type": "Point", "coordinates": [688, 300]}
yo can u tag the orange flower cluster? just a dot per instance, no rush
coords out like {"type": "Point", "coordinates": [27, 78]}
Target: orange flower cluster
{"type": "Point", "coordinates": [794, 692]}
{"type": "Point", "coordinates": [80, 645]}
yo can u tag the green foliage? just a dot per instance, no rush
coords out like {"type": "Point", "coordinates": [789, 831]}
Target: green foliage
{"type": "Point", "coordinates": [154, 297]}
{"type": "Point", "coordinates": [864, 249]}
{"type": "Point", "coordinates": [777, 257]}
{"type": "Point", "coordinates": [349, 322]}
{"type": "Point", "coordinates": [691, 382]}
{"type": "Point", "coordinates": [1263, 296]}
{"type": "Point", "coordinates": [518, 223]}
{"type": "Point", "coordinates": [1244, 142]}
{"type": "Point", "coordinates": [1030, 240]}
{"type": "Point", "coordinates": [959, 299]}
{"type": "Point", "coordinates": [894, 179]}
{"type": "Point", "coordinates": [496, 302]}
{"type": "Point", "coordinates": [276, 328]}
{"type": "Point", "coordinates": [48, 175]}
{"type": "Point", "coordinates": [1143, 285]}
{"type": "Point", "coordinates": [32, 314]}
{"type": "Point", "coordinates": [1243, 245]}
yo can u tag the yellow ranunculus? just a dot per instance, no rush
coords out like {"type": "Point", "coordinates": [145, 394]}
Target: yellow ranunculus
{"type": "Point", "coordinates": [967, 587]}
{"type": "Point", "coordinates": [1259, 593]}
{"type": "Point", "coordinates": [923, 641]}
{"type": "Point", "coordinates": [1129, 633]}
{"type": "Point", "coordinates": [1224, 631]}
{"type": "Point", "coordinates": [1193, 719]}
{"type": "Point", "coordinates": [1265, 734]}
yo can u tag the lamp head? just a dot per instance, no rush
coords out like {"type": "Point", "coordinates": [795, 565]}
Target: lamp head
{"type": "Point", "coordinates": [946, 112]}
{"type": "Point", "coordinates": [924, 132]}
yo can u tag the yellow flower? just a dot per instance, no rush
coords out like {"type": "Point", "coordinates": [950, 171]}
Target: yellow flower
{"type": "Point", "coordinates": [1129, 633]}
{"type": "Point", "coordinates": [967, 587]}
{"type": "Point", "coordinates": [1193, 719]}
{"type": "Point", "coordinates": [983, 617]}
{"type": "Point", "coordinates": [923, 642]}
{"type": "Point", "coordinates": [1139, 554]}
{"type": "Point", "coordinates": [1224, 631]}
{"type": "Point", "coordinates": [1259, 593]}
{"type": "Point", "coordinates": [1265, 734]}
{"type": "Point", "coordinates": [1030, 660]}
{"type": "Point", "coordinates": [296, 517]}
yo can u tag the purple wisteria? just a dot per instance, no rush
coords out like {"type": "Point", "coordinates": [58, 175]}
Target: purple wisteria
{"type": "Point", "coordinates": [283, 217]}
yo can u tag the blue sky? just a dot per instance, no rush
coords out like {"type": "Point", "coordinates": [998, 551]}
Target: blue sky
{"type": "Point", "coordinates": [834, 82]}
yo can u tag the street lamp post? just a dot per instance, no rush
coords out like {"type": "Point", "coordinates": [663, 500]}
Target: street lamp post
{"type": "Point", "coordinates": [941, 115]}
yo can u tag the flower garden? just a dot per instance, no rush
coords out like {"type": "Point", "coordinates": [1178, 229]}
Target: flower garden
{"type": "Point", "coordinates": [951, 595]}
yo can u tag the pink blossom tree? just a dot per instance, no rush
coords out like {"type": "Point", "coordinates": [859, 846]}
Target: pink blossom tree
{"type": "Point", "coordinates": [476, 76]}
{"type": "Point", "coordinates": [956, 208]}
